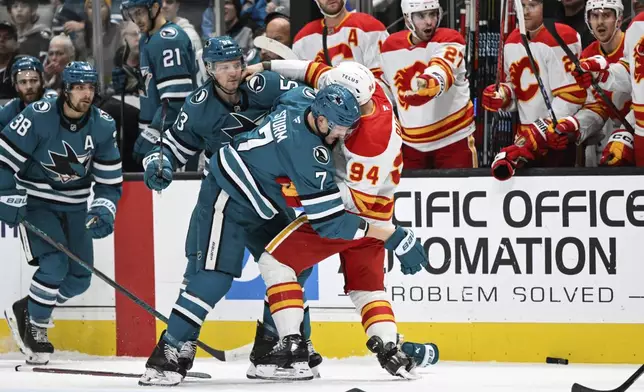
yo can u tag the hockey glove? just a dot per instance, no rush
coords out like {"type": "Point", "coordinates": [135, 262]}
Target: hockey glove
{"type": "Point", "coordinates": [289, 192]}
{"type": "Point", "coordinates": [591, 67]}
{"type": "Point", "coordinates": [100, 218]}
{"type": "Point", "coordinates": [494, 100]}
{"type": "Point", "coordinates": [410, 252]}
{"type": "Point", "coordinates": [13, 206]}
{"type": "Point", "coordinates": [423, 354]}
{"type": "Point", "coordinates": [508, 160]}
{"type": "Point", "coordinates": [534, 136]}
{"type": "Point", "coordinates": [157, 175]}
{"type": "Point", "coordinates": [430, 86]}
{"type": "Point", "coordinates": [147, 140]}
{"type": "Point", "coordinates": [619, 150]}
{"type": "Point", "coordinates": [566, 132]}
{"type": "Point", "coordinates": [119, 80]}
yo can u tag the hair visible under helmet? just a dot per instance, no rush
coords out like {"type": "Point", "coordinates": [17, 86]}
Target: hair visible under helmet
{"type": "Point", "coordinates": [217, 50]}
{"type": "Point", "coordinates": [411, 6]}
{"type": "Point", "coordinates": [355, 77]}
{"type": "Point", "coordinates": [77, 72]}
{"type": "Point", "coordinates": [26, 63]}
{"type": "Point", "coordinates": [127, 4]}
{"type": "Point", "coordinates": [344, 4]}
{"type": "Point", "coordinates": [615, 5]}
{"type": "Point", "coordinates": [338, 105]}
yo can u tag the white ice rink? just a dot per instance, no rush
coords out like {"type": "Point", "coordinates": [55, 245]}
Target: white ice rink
{"type": "Point", "coordinates": [337, 375]}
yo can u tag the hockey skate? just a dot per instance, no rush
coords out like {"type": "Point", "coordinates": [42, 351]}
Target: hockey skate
{"type": "Point", "coordinates": [187, 355]}
{"type": "Point", "coordinates": [393, 360]}
{"type": "Point", "coordinates": [162, 368]}
{"type": "Point", "coordinates": [263, 345]}
{"type": "Point", "coordinates": [288, 360]}
{"type": "Point", "coordinates": [31, 339]}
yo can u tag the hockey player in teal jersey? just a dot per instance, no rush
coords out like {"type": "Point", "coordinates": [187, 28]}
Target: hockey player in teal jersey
{"type": "Point", "coordinates": [210, 116]}
{"type": "Point", "coordinates": [167, 66]}
{"type": "Point", "coordinates": [294, 141]}
{"type": "Point", "coordinates": [27, 76]}
{"type": "Point", "coordinates": [50, 155]}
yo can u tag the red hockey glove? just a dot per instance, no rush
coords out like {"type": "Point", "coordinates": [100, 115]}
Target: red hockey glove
{"type": "Point", "coordinates": [508, 160]}
{"type": "Point", "coordinates": [566, 132]}
{"type": "Point", "coordinates": [619, 150]}
{"type": "Point", "coordinates": [533, 137]}
{"type": "Point", "coordinates": [591, 67]}
{"type": "Point", "coordinates": [289, 192]}
{"type": "Point", "coordinates": [494, 100]}
{"type": "Point", "coordinates": [430, 85]}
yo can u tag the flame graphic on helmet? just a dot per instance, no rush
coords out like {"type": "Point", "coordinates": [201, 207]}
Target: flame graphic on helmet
{"type": "Point", "coordinates": [638, 58]}
{"type": "Point", "coordinates": [403, 82]}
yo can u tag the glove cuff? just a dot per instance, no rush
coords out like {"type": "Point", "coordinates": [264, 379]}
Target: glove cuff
{"type": "Point", "coordinates": [401, 241]}
{"type": "Point", "coordinates": [102, 202]}
{"type": "Point", "coordinates": [154, 156]}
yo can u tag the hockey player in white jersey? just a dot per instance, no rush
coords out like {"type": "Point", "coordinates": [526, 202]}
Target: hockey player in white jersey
{"type": "Point", "coordinates": [520, 91]}
{"type": "Point", "coordinates": [425, 68]}
{"type": "Point", "coordinates": [595, 125]}
{"type": "Point", "coordinates": [348, 35]}
{"type": "Point", "coordinates": [624, 76]}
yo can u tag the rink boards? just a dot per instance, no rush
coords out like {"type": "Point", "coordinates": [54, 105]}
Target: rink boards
{"type": "Point", "coordinates": [519, 270]}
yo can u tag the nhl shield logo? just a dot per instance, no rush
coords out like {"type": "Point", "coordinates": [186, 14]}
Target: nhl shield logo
{"type": "Point", "coordinates": [321, 154]}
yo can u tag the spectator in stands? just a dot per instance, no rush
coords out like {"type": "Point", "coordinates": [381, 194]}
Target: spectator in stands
{"type": "Point", "coordinates": [170, 9]}
{"type": "Point", "coordinates": [574, 17]}
{"type": "Point", "coordinates": [638, 6]}
{"type": "Point", "coordinates": [61, 51]}
{"type": "Point", "coordinates": [235, 26]}
{"type": "Point", "coordinates": [273, 5]}
{"type": "Point", "coordinates": [278, 27]}
{"type": "Point", "coordinates": [255, 10]}
{"type": "Point", "coordinates": [64, 13]}
{"type": "Point", "coordinates": [33, 36]}
{"type": "Point", "coordinates": [8, 51]}
{"type": "Point", "coordinates": [130, 36]}
{"type": "Point", "coordinates": [111, 39]}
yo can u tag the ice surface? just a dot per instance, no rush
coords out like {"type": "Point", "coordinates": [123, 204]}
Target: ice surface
{"type": "Point", "coordinates": [337, 375]}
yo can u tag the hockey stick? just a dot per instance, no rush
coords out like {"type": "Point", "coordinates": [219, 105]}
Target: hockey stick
{"type": "Point", "coordinates": [580, 388]}
{"type": "Point", "coordinates": [164, 113]}
{"type": "Point", "coordinates": [126, 53]}
{"type": "Point", "coordinates": [220, 355]}
{"type": "Point", "coordinates": [533, 65]}
{"type": "Point", "coordinates": [269, 44]}
{"type": "Point", "coordinates": [85, 372]}
{"type": "Point", "coordinates": [325, 49]}
{"type": "Point", "coordinates": [550, 26]}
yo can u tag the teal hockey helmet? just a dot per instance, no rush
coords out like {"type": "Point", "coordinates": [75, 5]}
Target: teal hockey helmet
{"type": "Point", "coordinates": [338, 105]}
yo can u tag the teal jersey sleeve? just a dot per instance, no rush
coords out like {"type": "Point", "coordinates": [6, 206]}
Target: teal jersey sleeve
{"type": "Point", "coordinates": [174, 67]}
{"type": "Point", "coordinates": [265, 87]}
{"type": "Point", "coordinates": [106, 163]}
{"type": "Point", "coordinates": [10, 111]}
{"type": "Point", "coordinates": [18, 141]}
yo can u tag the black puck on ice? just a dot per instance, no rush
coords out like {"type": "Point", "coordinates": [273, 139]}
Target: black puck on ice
{"type": "Point", "coordinates": [557, 361]}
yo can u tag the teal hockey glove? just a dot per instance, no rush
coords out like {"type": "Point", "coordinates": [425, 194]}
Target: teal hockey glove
{"type": "Point", "coordinates": [100, 218]}
{"type": "Point", "coordinates": [410, 252]}
{"type": "Point", "coordinates": [157, 175]}
{"type": "Point", "coordinates": [13, 206]}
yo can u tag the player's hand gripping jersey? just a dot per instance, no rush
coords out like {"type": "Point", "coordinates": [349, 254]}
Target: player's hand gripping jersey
{"type": "Point", "coordinates": [429, 121]}
{"type": "Point", "coordinates": [358, 37]}
{"type": "Point", "coordinates": [56, 161]}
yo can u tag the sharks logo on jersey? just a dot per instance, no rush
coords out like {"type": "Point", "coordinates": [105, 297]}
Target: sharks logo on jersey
{"type": "Point", "coordinates": [144, 84]}
{"type": "Point", "coordinates": [240, 123]}
{"type": "Point", "coordinates": [42, 106]}
{"type": "Point", "coordinates": [169, 33]}
{"type": "Point", "coordinates": [257, 83]}
{"type": "Point", "coordinates": [68, 166]}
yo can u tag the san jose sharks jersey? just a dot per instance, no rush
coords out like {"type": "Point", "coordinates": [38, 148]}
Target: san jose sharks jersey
{"type": "Point", "coordinates": [206, 121]}
{"type": "Point", "coordinates": [168, 69]}
{"type": "Point", "coordinates": [285, 146]}
{"type": "Point", "coordinates": [56, 160]}
{"type": "Point", "coordinates": [13, 108]}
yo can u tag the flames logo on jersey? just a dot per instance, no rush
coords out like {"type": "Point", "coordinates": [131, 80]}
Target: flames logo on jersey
{"type": "Point", "coordinates": [638, 58]}
{"type": "Point", "coordinates": [516, 72]}
{"type": "Point", "coordinates": [403, 81]}
{"type": "Point", "coordinates": [342, 49]}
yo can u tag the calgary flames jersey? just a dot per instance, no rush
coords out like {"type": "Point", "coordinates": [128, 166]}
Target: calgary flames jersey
{"type": "Point", "coordinates": [429, 124]}
{"type": "Point", "coordinates": [627, 75]}
{"type": "Point", "coordinates": [555, 69]}
{"type": "Point", "coordinates": [369, 161]}
{"type": "Point", "coordinates": [358, 38]}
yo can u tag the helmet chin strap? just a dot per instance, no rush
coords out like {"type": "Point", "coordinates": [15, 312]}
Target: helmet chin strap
{"type": "Point", "coordinates": [344, 4]}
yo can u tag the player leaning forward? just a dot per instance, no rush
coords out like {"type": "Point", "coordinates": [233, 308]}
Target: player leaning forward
{"type": "Point", "coordinates": [425, 69]}
{"type": "Point", "coordinates": [296, 139]}
{"type": "Point", "coordinates": [368, 166]}
{"type": "Point", "coordinates": [49, 156]}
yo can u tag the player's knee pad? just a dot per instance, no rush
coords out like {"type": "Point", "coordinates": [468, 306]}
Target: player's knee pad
{"type": "Point", "coordinates": [53, 268]}
{"type": "Point", "coordinates": [377, 315]}
{"type": "Point", "coordinates": [273, 272]}
{"type": "Point", "coordinates": [74, 285]}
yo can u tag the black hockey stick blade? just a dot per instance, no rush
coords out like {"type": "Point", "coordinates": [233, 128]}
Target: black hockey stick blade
{"type": "Point", "coordinates": [100, 373]}
{"type": "Point", "coordinates": [550, 26]}
{"type": "Point", "coordinates": [622, 388]}
{"type": "Point", "coordinates": [218, 354]}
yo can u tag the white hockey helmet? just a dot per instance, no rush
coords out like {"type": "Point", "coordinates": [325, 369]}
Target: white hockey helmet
{"type": "Point", "coordinates": [615, 5]}
{"type": "Point", "coordinates": [344, 4]}
{"type": "Point", "coordinates": [355, 77]}
{"type": "Point", "coordinates": [411, 6]}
